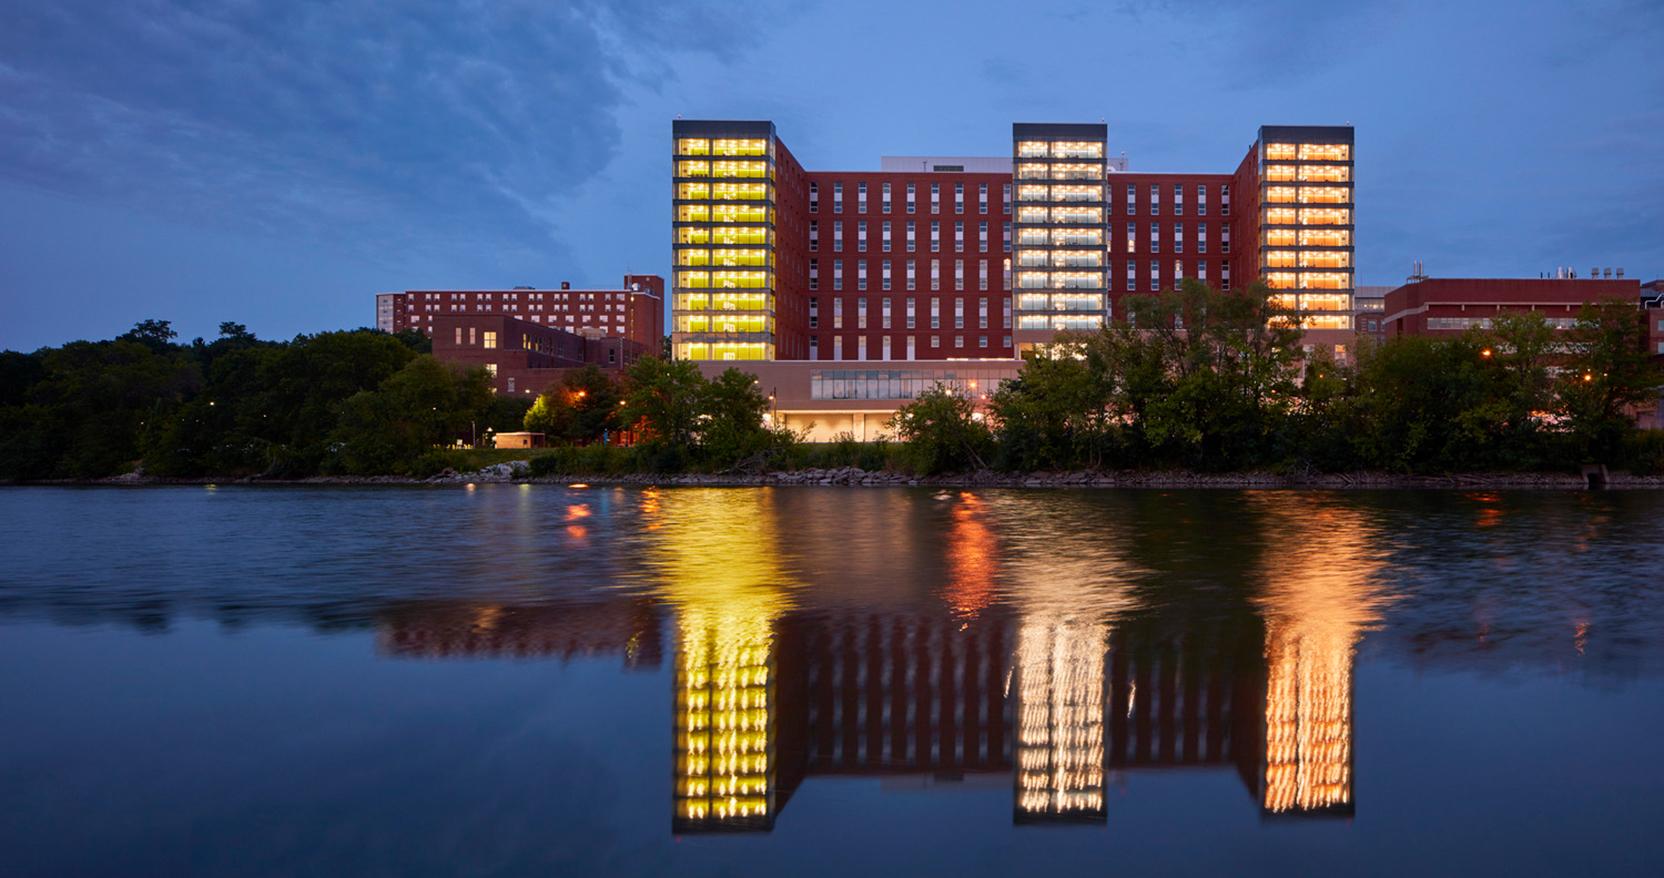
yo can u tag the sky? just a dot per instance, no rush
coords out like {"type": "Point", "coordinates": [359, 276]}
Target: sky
{"type": "Point", "coordinates": [277, 163]}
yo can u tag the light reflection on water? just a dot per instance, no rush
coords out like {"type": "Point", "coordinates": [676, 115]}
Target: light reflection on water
{"type": "Point", "coordinates": [1067, 646]}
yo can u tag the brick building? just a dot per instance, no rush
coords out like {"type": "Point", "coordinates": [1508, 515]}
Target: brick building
{"type": "Point", "coordinates": [525, 358]}
{"type": "Point", "coordinates": [933, 258]}
{"type": "Point", "coordinates": [1450, 306]}
{"type": "Point", "coordinates": [634, 311]}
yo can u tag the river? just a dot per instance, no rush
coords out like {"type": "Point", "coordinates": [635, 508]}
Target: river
{"type": "Point", "coordinates": [536, 679]}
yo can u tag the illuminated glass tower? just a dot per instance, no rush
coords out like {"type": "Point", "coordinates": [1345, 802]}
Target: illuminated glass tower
{"type": "Point", "coordinates": [724, 289]}
{"type": "Point", "coordinates": [1060, 277]}
{"type": "Point", "coordinates": [1305, 221]}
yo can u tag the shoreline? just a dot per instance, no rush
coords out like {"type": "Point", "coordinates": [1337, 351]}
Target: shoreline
{"type": "Point", "coordinates": [855, 477]}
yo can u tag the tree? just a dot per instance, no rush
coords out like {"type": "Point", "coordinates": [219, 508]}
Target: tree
{"type": "Point", "coordinates": [157, 335]}
{"type": "Point", "coordinates": [423, 405]}
{"type": "Point", "coordinates": [942, 432]}
{"type": "Point", "coordinates": [732, 430]}
{"type": "Point", "coordinates": [581, 409]}
{"type": "Point", "coordinates": [663, 400]}
{"type": "Point", "coordinates": [1053, 415]}
{"type": "Point", "coordinates": [1610, 373]}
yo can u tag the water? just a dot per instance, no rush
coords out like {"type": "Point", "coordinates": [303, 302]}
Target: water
{"type": "Point", "coordinates": [567, 681]}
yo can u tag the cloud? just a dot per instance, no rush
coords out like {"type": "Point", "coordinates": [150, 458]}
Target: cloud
{"type": "Point", "coordinates": [393, 123]}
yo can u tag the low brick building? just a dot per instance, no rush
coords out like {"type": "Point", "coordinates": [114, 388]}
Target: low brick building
{"type": "Point", "coordinates": [523, 357]}
{"type": "Point", "coordinates": [633, 311]}
{"type": "Point", "coordinates": [1451, 306]}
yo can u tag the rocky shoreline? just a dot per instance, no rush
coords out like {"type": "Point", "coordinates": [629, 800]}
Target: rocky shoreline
{"type": "Point", "coordinates": [519, 472]}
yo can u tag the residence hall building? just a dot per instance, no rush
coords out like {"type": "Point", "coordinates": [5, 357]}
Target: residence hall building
{"type": "Point", "coordinates": [1438, 306]}
{"type": "Point", "coordinates": [963, 258]}
{"type": "Point", "coordinates": [847, 292]}
{"type": "Point", "coordinates": [633, 311]}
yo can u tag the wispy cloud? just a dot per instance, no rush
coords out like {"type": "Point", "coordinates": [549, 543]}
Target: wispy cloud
{"type": "Point", "coordinates": [389, 120]}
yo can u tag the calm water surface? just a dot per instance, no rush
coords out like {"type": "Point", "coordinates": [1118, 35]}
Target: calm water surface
{"type": "Point", "coordinates": [570, 681]}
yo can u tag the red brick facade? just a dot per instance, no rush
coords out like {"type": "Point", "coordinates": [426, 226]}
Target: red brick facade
{"type": "Point", "coordinates": [1450, 306]}
{"type": "Point", "coordinates": [635, 311]}
{"type": "Point", "coordinates": [525, 358]}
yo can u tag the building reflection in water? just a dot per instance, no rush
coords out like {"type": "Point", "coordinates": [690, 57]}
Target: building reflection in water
{"type": "Point", "coordinates": [1060, 719]}
{"type": "Point", "coordinates": [1321, 595]}
{"type": "Point", "coordinates": [720, 570]}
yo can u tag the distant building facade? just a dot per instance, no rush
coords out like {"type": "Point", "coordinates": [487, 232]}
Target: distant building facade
{"type": "Point", "coordinates": [1450, 306]}
{"type": "Point", "coordinates": [525, 358]}
{"type": "Point", "coordinates": [634, 311]}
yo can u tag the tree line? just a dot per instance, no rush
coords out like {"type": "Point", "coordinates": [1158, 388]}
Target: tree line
{"type": "Point", "coordinates": [1193, 379]}
{"type": "Point", "coordinates": [1209, 381]}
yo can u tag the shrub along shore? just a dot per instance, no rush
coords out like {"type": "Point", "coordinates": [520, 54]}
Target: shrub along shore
{"type": "Point", "coordinates": [1198, 388]}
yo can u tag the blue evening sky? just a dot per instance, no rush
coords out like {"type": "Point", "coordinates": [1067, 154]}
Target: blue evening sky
{"type": "Point", "coordinates": [277, 162]}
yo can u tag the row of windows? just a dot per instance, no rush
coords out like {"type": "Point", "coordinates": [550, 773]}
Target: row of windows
{"type": "Point", "coordinates": [887, 347]}
{"type": "Point", "coordinates": [909, 236]}
{"type": "Point", "coordinates": [1464, 323]}
{"type": "Point", "coordinates": [566, 321]}
{"type": "Point", "coordinates": [909, 316]}
{"type": "Point", "coordinates": [909, 274]}
{"type": "Point", "coordinates": [517, 296]}
{"type": "Point", "coordinates": [562, 307]}
{"type": "Point", "coordinates": [911, 200]}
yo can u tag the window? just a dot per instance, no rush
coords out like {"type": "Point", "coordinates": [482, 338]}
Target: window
{"type": "Point", "coordinates": [959, 236]}
{"type": "Point", "coordinates": [935, 274]}
{"type": "Point", "coordinates": [1132, 237]}
{"type": "Point", "coordinates": [861, 313]}
{"type": "Point", "coordinates": [912, 276]}
{"type": "Point", "coordinates": [1007, 237]}
{"type": "Point", "coordinates": [982, 313]}
{"type": "Point", "coordinates": [860, 198]}
{"type": "Point", "coordinates": [982, 341]}
{"type": "Point", "coordinates": [490, 340]}
{"type": "Point", "coordinates": [911, 316]}
{"type": "Point", "coordinates": [1202, 238]}
{"type": "Point", "coordinates": [912, 198]}
{"type": "Point", "coordinates": [886, 236]}
{"type": "Point", "coordinates": [886, 354]}
{"type": "Point", "coordinates": [1224, 239]}
{"type": "Point", "coordinates": [959, 198]}
{"type": "Point", "coordinates": [837, 313]}
{"type": "Point", "coordinates": [982, 274]}
{"type": "Point", "coordinates": [886, 275]}
{"type": "Point", "coordinates": [935, 341]}
{"type": "Point", "coordinates": [837, 198]}
{"type": "Point", "coordinates": [861, 236]}
{"type": "Point", "coordinates": [1006, 194]}
{"type": "Point", "coordinates": [814, 347]}
{"type": "Point", "coordinates": [814, 236]}
{"type": "Point", "coordinates": [959, 341]}
{"type": "Point", "coordinates": [861, 348]}
{"type": "Point", "coordinates": [838, 236]}
{"type": "Point", "coordinates": [935, 198]}
{"type": "Point", "coordinates": [935, 236]}
{"type": "Point", "coordinates": [912, 239]}
{"type": "Point", "coordinates": [959, 274]}
{"type": "Point", "coordinates": [814, 274]}
{"type": "Point", "coordinates": [814, 314]}
{"type": "Point", "coordinates": [1155, 199]}
{"type": "Point", "coordinates": [1202, 199]}
{"type": "Point", "coordinates": [837, 276]}
{"type": "Point", "coordinates": [910, 347]}
{"type": "Point", "coordinates": [1202, 270]}
{"type": "Point", "coordinates": [958, 313]}
{"type": "Point", "coordinates": [1178, 199]}
{"type": "Point", "coordinates": [837, 347]}
{"type": "Point", "coordinates": [1225, 276]}
{"type": "Point", "coordinates": [1225, 200]}
{"type": "Point", "coordinates": [884, 199]}
{"type": "Point", "coordinates": [814, 198]}
{"type": "Point", "coordinates": [1005, 320]}
{"type": "Point", "coordinates": [1155, 275]}
{"type": "Point", "coordinates": [1178, 236]}
{"type": "Point", "coordinates": [1155, 238]}
{"type": "Point", "coordinates": [982, 236]}
{"type": "Point", "coordinates": [884, 310]}
{"type": "Point", "coordinates": [982, 198]}
{"type": "Point", "coordinates": [935, 313]}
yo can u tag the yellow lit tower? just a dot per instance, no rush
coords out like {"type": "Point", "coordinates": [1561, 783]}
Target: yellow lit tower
{"type": "Point", "coordinates": [725, 286]}
{"type": "Point", "coordinates": [1306, 224]}
{"type": "Point", "coordinates": [1059, 266]}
